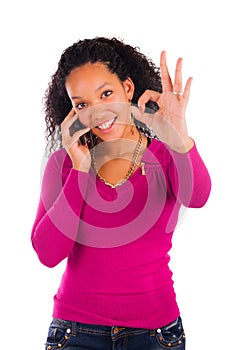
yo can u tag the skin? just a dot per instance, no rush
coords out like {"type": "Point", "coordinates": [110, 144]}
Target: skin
{"type": "Point", "coordinates": [97, 96]}
{"type": "Point", "coordinates": [103, 98]}
{"type": "Point", "coordinates": [169, 123]}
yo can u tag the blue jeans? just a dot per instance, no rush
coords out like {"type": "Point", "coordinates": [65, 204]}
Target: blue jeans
{"type": "Point", "coordinates": [69, 335]}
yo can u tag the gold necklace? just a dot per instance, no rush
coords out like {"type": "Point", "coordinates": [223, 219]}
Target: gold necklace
{"type": "Point", "coordinates": [131, 168]}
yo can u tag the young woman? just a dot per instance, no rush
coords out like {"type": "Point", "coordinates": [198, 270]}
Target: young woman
{"type": "Point", "coordinates": [121, 164]}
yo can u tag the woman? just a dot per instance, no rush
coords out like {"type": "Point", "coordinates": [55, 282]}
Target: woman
{"type": "Point", "coordinates": [111, 194]}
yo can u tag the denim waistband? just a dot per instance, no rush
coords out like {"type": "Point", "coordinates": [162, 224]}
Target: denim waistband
{"type": "Point", "coordinates": [104, 330]}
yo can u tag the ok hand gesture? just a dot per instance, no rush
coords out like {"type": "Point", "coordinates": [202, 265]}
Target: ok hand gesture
{"type": "Point", "coordinates": [169, 122]}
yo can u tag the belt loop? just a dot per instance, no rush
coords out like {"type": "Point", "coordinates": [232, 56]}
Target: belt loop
{"type": "Point", "coordinates": [152, 332]}
{"type": "Point", "coordinates": [74, 327]}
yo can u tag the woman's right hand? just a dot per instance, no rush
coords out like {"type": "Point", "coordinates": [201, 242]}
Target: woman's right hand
{"type": "Point", "coordinates": [79, 154]}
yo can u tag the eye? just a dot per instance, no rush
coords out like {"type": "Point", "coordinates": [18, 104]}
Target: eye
{"type": "Point", "coordinates": [106, 93]}
{"type": "Point", "coordinates": [81, 105]}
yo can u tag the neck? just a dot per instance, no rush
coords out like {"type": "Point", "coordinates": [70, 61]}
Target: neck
{"type": "Point", "coordinates": [113, 168]}
{"type": "Point", "coordinates": [122, 147]}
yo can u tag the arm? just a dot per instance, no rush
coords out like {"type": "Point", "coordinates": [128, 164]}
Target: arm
{"type": "Point", "coordinates": [189, 178]}
{"type": "Point", "coordinates": [187, 173]}
{"type": "Point", "coordinates": [58, 215]}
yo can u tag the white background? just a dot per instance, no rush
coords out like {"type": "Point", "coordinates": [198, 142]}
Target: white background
{"type": "Point", "coordinates": [33, 36]}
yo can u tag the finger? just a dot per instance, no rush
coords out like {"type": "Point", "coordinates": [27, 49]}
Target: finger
{"type": "Point", "coordinates": [146, 118]}
{"type": "Point", "coordinates": [165, 76]}
{"type": "Point", "coordinates": [177, 86]}
{"type": "Point", "coordinates": [69, 141]}
{"type": "Point", "coordinates": [187, 88]}
{"type": "Point", "coordinates": [70, 114]}
{"type": "Point", "coordinates": [77, 133]}
{"type": "Point", "coordinates": [72, 130]}
{"type": "Point", "coordinates": [69, 119]}
{"type": "Point", "coordinates": [148, 95]}
{"type": "Point", "coordinates": [72, 123]}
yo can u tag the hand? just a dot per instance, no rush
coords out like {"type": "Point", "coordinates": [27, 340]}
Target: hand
{"type": "Point", "coordinates": [168, 122]}
{"type": "Point", "coordinates": [78, 153]}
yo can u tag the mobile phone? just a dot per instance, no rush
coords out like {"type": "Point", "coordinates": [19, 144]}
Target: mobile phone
{"type": "Point", "coordinates": [77, 125]}
{"type": "Point", "coordinates": [86, 139]}
{"type": "Point", "coordinates": [150, 108]}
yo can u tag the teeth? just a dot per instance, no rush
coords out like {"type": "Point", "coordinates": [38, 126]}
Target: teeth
{"type": "Point", "coordinates": [106, 125]}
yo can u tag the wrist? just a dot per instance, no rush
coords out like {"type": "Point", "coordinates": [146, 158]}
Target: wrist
{"type": "Point", "coordinates": [82, 163]}
{"type": "Point", "coordinates": [185, 145]}
{"type": "Point", "coordinates": [81, 168]}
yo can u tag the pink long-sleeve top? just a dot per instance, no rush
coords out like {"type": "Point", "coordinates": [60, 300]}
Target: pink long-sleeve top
{"type": "Point", "coordinates": [117, 240]}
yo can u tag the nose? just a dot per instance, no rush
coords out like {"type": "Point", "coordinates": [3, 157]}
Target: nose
{"type": "Point", "coordinates": [94, 115]}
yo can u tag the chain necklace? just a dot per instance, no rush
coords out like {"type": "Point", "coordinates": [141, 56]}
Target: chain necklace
{"type": "Point", "coordinates": [131, 168]}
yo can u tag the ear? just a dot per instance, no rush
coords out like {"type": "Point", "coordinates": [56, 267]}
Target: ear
{"type": "Point", "coordinates": [129, 88]}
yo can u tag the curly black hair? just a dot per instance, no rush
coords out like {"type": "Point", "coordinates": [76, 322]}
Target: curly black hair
{"type": "Point", "coordinates": [120, 58]}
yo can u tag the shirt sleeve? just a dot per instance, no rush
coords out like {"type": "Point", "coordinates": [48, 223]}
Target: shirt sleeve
{"type": "Point", "coordinates": [189, 178]}
{"type": "Point", "coordinates": [56, 224]}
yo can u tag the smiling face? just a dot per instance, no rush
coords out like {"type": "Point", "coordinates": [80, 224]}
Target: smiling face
{"type": "Point", "coordinates": [101, 100]}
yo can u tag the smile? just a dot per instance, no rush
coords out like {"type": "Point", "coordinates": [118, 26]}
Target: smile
{"type": "Point", "coordinates": [107, 125]}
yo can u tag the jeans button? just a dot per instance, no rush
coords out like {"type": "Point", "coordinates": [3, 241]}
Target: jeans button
{"type": "Point", "coordinates": [116, 330]}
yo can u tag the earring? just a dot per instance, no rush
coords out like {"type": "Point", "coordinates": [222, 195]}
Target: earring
{"type": "Point", "coordinates": [132, 122]}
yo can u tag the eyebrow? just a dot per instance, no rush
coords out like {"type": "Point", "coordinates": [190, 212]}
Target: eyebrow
{"type": "Point", "coordinates": [99, 88]}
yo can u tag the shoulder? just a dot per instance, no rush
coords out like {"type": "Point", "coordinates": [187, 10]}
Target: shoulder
{"type": "Point", "coordinates": [157, 152]}
{"type": "Point", "coordinates": [59, 161]}
{"type": "Point", "coordinates": [60, 156]}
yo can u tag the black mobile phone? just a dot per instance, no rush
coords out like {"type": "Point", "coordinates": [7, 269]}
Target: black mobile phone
{"type": "Point", "coordinates": [150, 108]}
{"type": "Point", "coordinates": [84, 139]}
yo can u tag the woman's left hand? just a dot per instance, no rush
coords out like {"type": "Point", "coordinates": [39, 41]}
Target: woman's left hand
{"type": "Point", "coordinates": [169, 122]}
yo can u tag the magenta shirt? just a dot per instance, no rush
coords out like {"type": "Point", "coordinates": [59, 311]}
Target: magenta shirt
{"type": "Point", "coordinates": [117, 241]}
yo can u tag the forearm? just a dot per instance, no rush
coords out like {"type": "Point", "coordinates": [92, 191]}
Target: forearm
{"type": "Point", "coordinates": [189, 178]}
{"type": "Point", "coordinates": [185, 145]}
{"type": "Point", "coordinates": [55, 229]}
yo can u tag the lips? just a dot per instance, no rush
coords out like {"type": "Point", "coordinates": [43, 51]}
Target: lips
{"type": "Point", "coordinates": [107, 125]}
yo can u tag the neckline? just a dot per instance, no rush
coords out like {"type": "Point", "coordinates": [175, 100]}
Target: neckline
{"type": "Point", "coordinates": [104, 187]}
{"type": "Point", "coordinates": [131, 169]}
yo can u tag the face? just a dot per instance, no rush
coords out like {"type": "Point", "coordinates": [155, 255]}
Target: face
{"type": "Point", "coordinates": [101, 100]}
